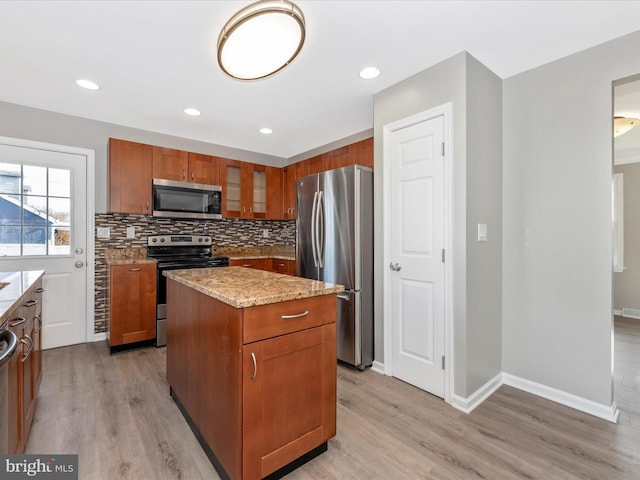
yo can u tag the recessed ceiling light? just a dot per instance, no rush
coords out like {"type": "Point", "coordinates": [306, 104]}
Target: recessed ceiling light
{"type": "Point", "coordinates": [266, 131]}
{"type": "Point", "coordinates": [194, 112]}
{"type": "Point", "coordinates": [88, 84]}
{"type": "Point", "coordinates": [369, 73]}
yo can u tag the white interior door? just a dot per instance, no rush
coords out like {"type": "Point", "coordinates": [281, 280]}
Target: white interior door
{"type": "Point", "coordinates": [416, 254]}
{"type": "Point", "coordinates": [43, 226]}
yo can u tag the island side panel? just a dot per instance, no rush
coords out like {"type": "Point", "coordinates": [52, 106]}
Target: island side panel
{"type": "Point", "coordinates": [204, 368]}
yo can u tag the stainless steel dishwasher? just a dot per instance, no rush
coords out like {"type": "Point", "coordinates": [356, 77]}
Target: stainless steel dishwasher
{"type": "Point", "coordinates": [8, 348]}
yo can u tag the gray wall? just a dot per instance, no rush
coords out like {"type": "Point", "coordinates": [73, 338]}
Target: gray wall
{"type": "Point", "coordinates": [557, 268]}
{"type": "Point", "coordinates": [626, 285]}
{"type": "Point", "coordinates": [18, 121]}
{"type": "Point", "coordinates": [484, 205]}
{"type": "Point", "coordinates": [474, 93]}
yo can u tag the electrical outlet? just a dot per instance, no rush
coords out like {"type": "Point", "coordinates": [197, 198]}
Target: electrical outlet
{"type": "Point", "coordinates": [103, 232]}
{"type": "Point", "coordinates": [131, 232]}
{"type": "Point", "coordinates": [265, 233]}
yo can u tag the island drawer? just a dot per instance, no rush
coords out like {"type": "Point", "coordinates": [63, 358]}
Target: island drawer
{"type": "Point", "coordinates": [274, 319]}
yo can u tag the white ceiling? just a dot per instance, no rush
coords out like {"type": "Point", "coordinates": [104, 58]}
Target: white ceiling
{"type": "Point", "coordinates": [155, 58]}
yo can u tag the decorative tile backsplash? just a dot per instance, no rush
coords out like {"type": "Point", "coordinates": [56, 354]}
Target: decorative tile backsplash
{"type": "Point", "coordinates": [230, 232]}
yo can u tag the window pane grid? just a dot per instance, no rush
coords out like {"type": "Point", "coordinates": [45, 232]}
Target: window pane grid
{"type": "Point", "coordinates": [35, 210]}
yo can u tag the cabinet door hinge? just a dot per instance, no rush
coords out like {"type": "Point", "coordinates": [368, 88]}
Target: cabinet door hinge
{"type": "Point", "coordinates": [443, 362]}
{"type": "Point", "coordinates": [443, 255]}
{"type": "Point", "coordinates": [442, 149]}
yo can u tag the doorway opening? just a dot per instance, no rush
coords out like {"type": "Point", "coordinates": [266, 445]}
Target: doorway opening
{"type": "Point", "coordinates": [626, 240]}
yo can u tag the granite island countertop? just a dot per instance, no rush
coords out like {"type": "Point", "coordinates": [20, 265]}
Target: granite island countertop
{"type": "Point", "coordinates": [15, 287]}
{"type": "Point", "coordinates": [246, 287]}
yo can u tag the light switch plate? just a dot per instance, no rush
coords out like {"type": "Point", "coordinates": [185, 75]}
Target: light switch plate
{"type": "Point", "coordinates": [482, 232]}
{"type": "Point", "coordinates": [103, 232]}
{"type": "Point", "coordinates": [131, 232]}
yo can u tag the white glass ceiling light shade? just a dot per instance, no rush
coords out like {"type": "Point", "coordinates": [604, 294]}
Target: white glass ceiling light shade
{"type": "Point", "coordinates": [261, 39]}
{"type": "Point", "coordinates": [623, 125]}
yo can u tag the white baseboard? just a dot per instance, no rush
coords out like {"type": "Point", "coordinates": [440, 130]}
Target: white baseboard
{"type": "Point", "coordinates": [470, 403]}
{"type": "Point", "coordinates": [617, 311]}
{"type": "Point", "coordinates": [378, 367]}
{"type": "Point", "coordinates": [607, 412]}
{"type": "Point", "coordinates": [99, 337]}
{"type": "Point", "coordinates": [630, 313]}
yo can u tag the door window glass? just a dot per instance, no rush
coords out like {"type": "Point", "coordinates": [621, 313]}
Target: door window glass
{"type": "Point", "coordinates": [35, 210]}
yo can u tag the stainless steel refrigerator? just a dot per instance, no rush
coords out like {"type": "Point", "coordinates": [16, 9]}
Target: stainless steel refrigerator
{"type": "Point", "coordinates": [334, 243]}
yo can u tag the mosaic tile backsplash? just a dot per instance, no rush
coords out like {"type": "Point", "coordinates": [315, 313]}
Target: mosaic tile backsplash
{"type": "Point", "coordinates": [230, 232]}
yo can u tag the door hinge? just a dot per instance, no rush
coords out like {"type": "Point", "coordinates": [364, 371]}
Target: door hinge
{"type": "Point", "coordinates": [443, 255]}
{"type": "Point", "coordinates": [443, 362]}
{"type": "Point", "coordinates": [442, 149]}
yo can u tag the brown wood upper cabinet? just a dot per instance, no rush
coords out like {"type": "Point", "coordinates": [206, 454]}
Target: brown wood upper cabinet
{"type": "Point", "coordinates": [130, 176]}
{"type": "Point", "coordinates": [250, 190]}
{"type": "Point", "coordinates": [181, 166]}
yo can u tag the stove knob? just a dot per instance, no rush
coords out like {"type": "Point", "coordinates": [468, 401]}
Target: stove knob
{"type": "Point", "coordinates": [154, 240]}
{"type": "Point", "coordinates": [200, 239]}
{"type": "Point", "coordinates": [161, 240]}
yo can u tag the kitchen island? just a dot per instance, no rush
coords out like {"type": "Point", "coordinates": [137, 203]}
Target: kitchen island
{"type": "Point", "coordinates": [251, 362]}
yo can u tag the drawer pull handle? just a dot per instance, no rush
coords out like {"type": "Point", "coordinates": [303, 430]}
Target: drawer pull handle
{"type": "Point", "coordinates": [255, 366]}
{"type": "Point", "coordinates": [298, 315]}
{"type": "Point", "coordinates": [31, 303]}
{"type": "Point", "coordinates": [17, 321]}
{"type": "Point", "coordinates": [39, 290]}
{"type": "Point", "coordinates": [249, 265]}
{"type": "Point", "coordinates": [135, 269]}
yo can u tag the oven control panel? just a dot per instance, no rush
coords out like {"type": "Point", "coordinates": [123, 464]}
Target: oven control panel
{"type": "Point", "coordinates": [178, 240]}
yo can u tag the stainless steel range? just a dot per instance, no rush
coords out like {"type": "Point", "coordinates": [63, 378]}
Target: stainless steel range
{"type": "Point", "coordinates": [177, 252]}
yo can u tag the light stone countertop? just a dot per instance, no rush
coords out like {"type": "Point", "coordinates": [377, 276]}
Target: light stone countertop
{"type": "Point", "coordinates": [127, 256]}
{"type": "Point", "coordinates": [247, 287]}
{"type": "Point", "coordinates": [15, 288]}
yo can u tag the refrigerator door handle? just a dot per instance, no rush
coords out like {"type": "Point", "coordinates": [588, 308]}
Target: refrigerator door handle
{"type": "Point", "coordinates": [320, 229]}
{"type": "Point", "coordinates": [314, 208]}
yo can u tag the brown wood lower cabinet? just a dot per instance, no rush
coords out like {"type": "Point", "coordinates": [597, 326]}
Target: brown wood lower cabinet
{"type": "Point", "coordinates": [258, 384]}
{"type": "Point", "coordinates": [25, 368]}
{"type": "Point", "coordinates": [132, 294]}
{"type": "Point", "coordinates": [277, 265]}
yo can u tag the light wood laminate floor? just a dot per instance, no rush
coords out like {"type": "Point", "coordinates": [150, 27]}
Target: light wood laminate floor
{"type": "Point", "coordinates": [116, 413]}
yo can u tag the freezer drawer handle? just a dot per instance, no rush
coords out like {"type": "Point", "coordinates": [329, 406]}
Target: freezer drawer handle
{"type": "Point", "coordinates": [343, 296]}
{"type": "Point", "coordinates": [30, 303]}
{"type": "Point", "coordinates": [303, 314]}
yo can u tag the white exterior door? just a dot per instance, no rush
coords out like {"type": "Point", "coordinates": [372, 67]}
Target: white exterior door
{"type": "Point", "coordinates": [416, 254]}
{"type": "Point", "coordinates": [43, 226]}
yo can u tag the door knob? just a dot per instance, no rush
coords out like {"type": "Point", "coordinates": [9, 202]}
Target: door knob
{"type": "Point", "coordinates": [79, 264]}
{"type": "Point", "coordinates": [396, 267]}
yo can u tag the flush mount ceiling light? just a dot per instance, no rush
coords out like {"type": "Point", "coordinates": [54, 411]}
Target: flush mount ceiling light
{"type": "Point", "coordinates": [623, 125]}
{"type": "Point", "coordinates": [261, 39]}
{"type": "Point", "coordinates": [88, 84]}
{"type": "Point", "coordinates": [266, 131]}
{"type": "Point", "coordinates": [194, 112]}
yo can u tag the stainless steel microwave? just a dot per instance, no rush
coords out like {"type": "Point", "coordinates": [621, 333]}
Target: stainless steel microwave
{"type": "Point", "coordinates": [186, 200]}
